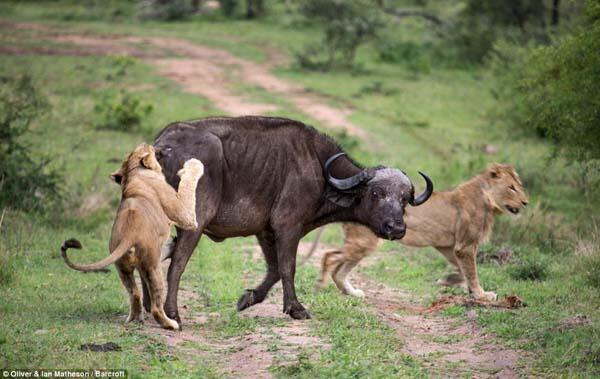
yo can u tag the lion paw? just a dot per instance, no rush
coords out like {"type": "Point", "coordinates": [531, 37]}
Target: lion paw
{"type": "Point", "coordinates": [357, 293]}
{"type": "Point", "coordinates": [192, 167]}
{"type": "Point", "coordinates": [487, 296]}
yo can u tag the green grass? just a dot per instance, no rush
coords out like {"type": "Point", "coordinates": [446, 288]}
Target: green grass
{"type": "Point", "coordinates": [435, 122]}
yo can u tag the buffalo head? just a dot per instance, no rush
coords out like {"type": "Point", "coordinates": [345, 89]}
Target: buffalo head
{"type": "Point", "coordinates": [379, 196]}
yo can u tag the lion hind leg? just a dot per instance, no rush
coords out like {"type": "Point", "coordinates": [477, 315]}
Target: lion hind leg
{"type": "Point", "coordinates": [343, 282]}
{"type": "Point", "coordinates": [135, 303]}
{"type": "Point", "coordinates": [329, 263]}
{"type": "Point", "coordinates": [154, 279]}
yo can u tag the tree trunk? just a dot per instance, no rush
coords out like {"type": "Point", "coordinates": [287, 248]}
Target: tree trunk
{"type": "Point", "coordinates": [555, 12]}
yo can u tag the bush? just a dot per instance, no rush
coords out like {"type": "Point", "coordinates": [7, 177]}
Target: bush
{"type": "Point", "coordinates": [555, 91]}
{"type": "Point", "coordinates": [348, 24]}
{"type": "Point", "coordinates": [482, 22]}
{"type": "Point", "coordinates": [25, 183]}
{"type": "Point", "coordinates": [413, 56]}
{"type": "Point", "coordinates": [533, 266]}
{"type": "Point", "coordinates": [228, 7]}
{"type": "Point", "coordinates": [164, 10]}
{"type": "Point", "coordinates": [123, 112]}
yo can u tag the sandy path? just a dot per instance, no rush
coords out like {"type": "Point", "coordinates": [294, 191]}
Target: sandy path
{"type": "Point", "coordinates": [450, 348]}
{"type": "Point", "coordinates": [212, 73]}
{"type": "Point", "coordinates": [275, 342]}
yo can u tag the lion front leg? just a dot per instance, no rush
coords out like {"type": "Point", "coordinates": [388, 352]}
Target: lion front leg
{"type": "Point", "coordinates": [182, 208]}
{"type": "Point", "coordinates": [466, 258]}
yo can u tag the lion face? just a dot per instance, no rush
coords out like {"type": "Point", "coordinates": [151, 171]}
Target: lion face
{"type": "Point", "coordinates": [506, 189]}
{"type": "Point", "coordinates": [142, 156]}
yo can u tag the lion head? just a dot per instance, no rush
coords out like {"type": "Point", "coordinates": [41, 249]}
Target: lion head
{"type": "Point", "coordinates": [142, 156]}
{"type": "Point", "coordinates": [505, 188]}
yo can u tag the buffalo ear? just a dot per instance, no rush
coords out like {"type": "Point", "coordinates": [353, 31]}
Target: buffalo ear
{"type": "Point", "coordinates": [342, 199]}
{"type": "Point", "coordinates": [116, 177]}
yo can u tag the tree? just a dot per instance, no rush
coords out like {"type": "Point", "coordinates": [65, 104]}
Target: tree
{"type": "Point", "coordinates": [558, 90]}
{"type": "Point", "coordinates": [347, 24]}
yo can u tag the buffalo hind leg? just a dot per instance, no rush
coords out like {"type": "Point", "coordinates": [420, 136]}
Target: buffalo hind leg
{"type": "Point", "coordinates": [250, 297]}
{"type": "Point", "coordinates": [287, 248]}
{"type": "Point", "coordinates": [186, 243]}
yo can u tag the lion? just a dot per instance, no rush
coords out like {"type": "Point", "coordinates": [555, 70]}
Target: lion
{"type": "Point", "coordinates": [455, 222]}
{"type": "Point", "coordinates": [148, 208]}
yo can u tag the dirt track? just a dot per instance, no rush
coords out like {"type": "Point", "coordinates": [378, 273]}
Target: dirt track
{"type": "Point", "coordinates": [212, 73]}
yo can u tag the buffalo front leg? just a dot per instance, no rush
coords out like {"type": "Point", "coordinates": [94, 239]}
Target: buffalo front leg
{"type": "Point", "coordinates": [287, 248]}
{"type": "Point", "coordinates": [186, 243]}
{"type": "Point", "coordinates": [266, 241]}
{"type": "Point", "coordinates": [466, 258]}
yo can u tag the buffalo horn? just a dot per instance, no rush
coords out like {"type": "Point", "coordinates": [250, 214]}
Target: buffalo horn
{"type": "Point", "coordinates": [343, 184]}
{"type": "Point", "coordinates": [426, 194]}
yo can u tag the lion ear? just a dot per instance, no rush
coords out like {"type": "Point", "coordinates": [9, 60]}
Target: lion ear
{"type": "Point", "coordinates": [494, 170]}
{"type": "Point", "coordinates": [146, 161]}
{"type": "Point", "coordinates": [116, 177]}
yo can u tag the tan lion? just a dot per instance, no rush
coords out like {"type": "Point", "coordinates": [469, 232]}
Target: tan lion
{"type": "Point", "coordinates": [455, 222]}
{"type": "Point", "coordinates": [148, 208]}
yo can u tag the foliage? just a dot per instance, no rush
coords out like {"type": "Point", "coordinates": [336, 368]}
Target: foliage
{"type": "Point", "coordinates": [348, 24]}
{"type": "Point", "coordinates": [254, 8]}
{"type": "Point", "coordinates": [415, 57]}
{"type": "Point", "coordinates": [482, 22]}
{"type": "Point", "coordinates": [591, 269]}
{"type": "Point", "coordinates": [228, 7]}
{"type": "Point", "coordinates": [164, 10]}
{"type": "Point", "coordinates": [557, 92]}
{"type": "Point", "coordinates": [124, 112]}
{"type": "Point", "coordinates": [532, 266]}
{"type": "Point", "coordinates": [121, 64]}
{"type": "Point", "coordinates": [25, 183]}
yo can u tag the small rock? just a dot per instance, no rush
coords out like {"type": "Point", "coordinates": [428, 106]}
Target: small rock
{"type": "Point", "coordinates": [41, 331]}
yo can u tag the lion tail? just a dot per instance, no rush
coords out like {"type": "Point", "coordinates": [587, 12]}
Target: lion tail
{"type": "Point", "coordinates": [115, 255]}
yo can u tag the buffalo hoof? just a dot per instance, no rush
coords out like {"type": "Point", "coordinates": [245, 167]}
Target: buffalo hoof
{"type": "Point", "coordinates": [248, 299]}
{"type": "Point", "coordinates": [297, 311]}
{"type": "Point", "coordinates": [174, 315]}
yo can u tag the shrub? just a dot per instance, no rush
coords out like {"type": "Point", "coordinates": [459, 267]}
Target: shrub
{"type": "Point", "coordinates": [347, 23]}
{"type": "Point", "coordinates": [228, 7]}
{"type": "Point", "coordinates": [120, 64]}
{"type": "Point", "coordinates": [164, 10]}
{"type": "Point", "coordinates": [533, 266]}
{"type": "Point", "coordinates": [555, 92]}
{"type": "Point", "coordinates": [413, 56]}
{"type": "Point", "coordinates": [25, 183]}
{"type": "Point", "coordinates": [124, 112]}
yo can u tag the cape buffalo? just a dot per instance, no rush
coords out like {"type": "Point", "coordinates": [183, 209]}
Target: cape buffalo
{"type": "Point", "coordinates": [277, 179]}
